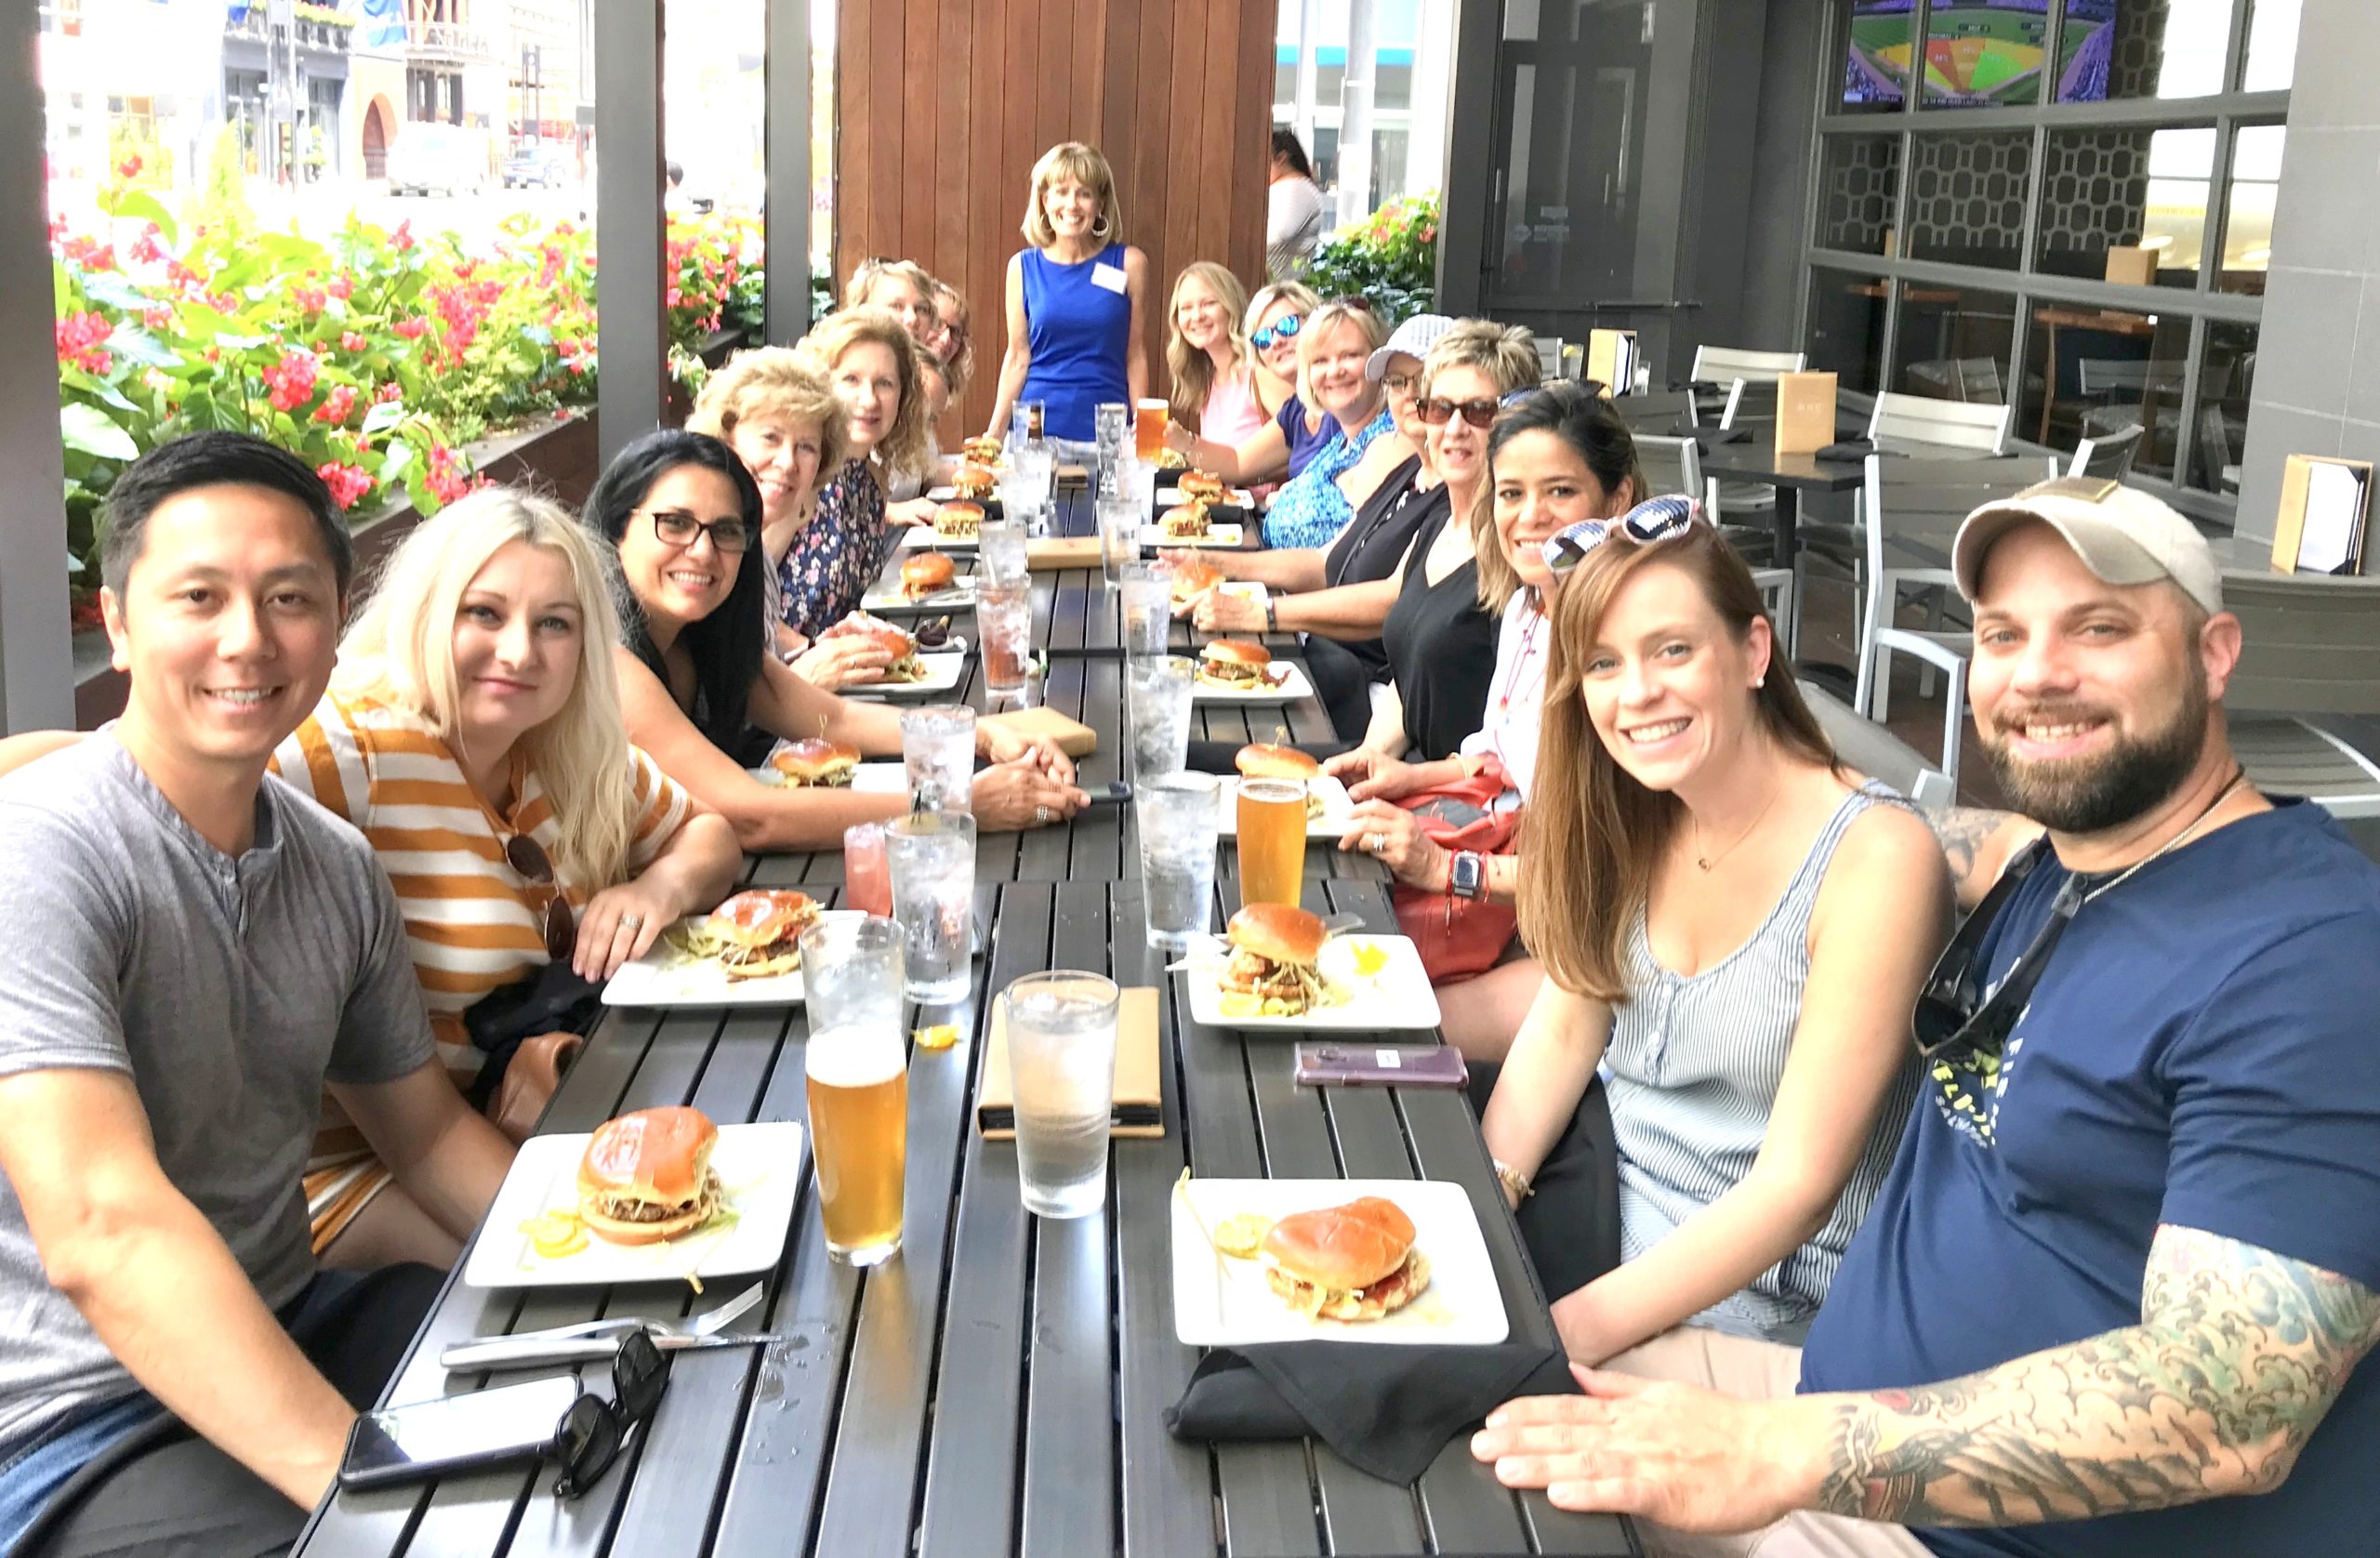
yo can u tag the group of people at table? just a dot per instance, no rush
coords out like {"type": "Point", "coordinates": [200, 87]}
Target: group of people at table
{"type": "Point", "coordinates": [2088, 1270]}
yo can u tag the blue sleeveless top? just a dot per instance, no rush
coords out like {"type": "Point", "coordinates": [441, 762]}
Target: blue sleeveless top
{"type": "Point", "coordinates": [1077, 330]}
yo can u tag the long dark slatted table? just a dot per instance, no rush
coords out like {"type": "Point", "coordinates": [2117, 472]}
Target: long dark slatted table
{"type": "Point", "coordinates": [1000, 1389]}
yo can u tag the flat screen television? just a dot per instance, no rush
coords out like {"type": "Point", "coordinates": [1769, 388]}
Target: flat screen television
{"type": "Point", "coordinates": [1977, 53]}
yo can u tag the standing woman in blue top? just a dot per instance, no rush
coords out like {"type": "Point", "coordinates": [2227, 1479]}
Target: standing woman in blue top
{"type": "Point", "coordinates": [1074, 301]}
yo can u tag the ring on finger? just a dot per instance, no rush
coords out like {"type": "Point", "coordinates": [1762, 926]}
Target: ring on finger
{"type": "Point", "coordinates": [631, 922]}
{"type": "Point", "coordinates": [1042, 814]}
{"type": "Point", "coordinates": [1375, 842]}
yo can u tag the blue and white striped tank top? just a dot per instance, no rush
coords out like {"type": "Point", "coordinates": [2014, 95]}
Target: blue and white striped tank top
{"type": "Point", "coordinates": [1693, 1067]}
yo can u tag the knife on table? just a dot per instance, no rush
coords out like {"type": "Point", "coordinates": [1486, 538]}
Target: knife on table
{"type": "Point", "coordinates": [513, 1352]}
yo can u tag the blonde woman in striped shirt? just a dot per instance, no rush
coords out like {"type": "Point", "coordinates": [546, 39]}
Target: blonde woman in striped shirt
{"type": "Point", "coordinates": [473, 733]}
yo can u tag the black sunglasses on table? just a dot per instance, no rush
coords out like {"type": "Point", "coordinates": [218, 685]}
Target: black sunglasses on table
{"type": "Point", "coordinates": [677, 528]}
{"type": "Point", "coordinates": [591, 1434]}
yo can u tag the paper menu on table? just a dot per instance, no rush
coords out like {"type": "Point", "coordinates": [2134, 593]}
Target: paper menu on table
{"type": "Point", "coordinates": [2335, 500]}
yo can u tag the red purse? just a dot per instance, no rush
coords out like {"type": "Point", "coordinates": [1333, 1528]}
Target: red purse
{"type": "Point", "coordinates": [1461, 937]}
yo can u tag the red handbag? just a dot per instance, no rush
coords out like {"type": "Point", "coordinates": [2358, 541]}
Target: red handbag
{"type": "Point", "coordinates": [1461, 937]}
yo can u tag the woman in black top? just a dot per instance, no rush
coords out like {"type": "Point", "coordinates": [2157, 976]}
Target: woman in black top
{"type": "Point", "coordinates": [1441, 649]}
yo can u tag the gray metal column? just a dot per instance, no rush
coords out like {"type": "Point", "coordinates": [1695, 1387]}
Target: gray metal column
{"type": "Point", "coordinates": [631, 335]}
{"type": "Point", "coordinates": [36, 655]}
{"type": "Point", "coordinates": [785, 220]}
{"type": "Point", "coordinates": [1468, 204]}
{"type": "Point", "coordinates": [1355, 115]}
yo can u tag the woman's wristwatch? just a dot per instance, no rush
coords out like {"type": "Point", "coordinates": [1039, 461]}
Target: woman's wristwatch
{"type": "Point", "coordinates": [1272, 616]}
{"type": "Point", "coordinates": [1467, 874]}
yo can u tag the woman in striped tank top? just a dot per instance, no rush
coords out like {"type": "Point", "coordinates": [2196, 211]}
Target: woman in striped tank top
{"type": "Point", "coordinates": [1735, 928]}
{"type": "Point", "coordinates": [473, 733]}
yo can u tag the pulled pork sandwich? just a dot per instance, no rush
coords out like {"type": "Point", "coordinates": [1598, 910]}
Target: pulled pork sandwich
{"type": "Point", "coordinates": [1203, 486]}
{"type": "Point", "coordinates": [927, 572]}
{"type": "Point", "coordinates": [1236, 665]}
{"type": "Point", "coordinates": [983, 449]}
{"type": "Point", "coordinates": [647, 1175]}
{"type": "Point", "coordinates": [976, 479]}
{"type": "Point", "coordinates": [758, 933]}
{"type": "Point", "coordinates": [1269, 759]}
{"type": "Point", "coordinates": [958, 520]}
{"type": "Point", "coordinates": [1273, 950]}
{"type": "Point", "coordinates": [1187, 522]}
{"type": "Point", "coordinates": [1351, 1262]}
{"type": "Point", "coordinates": [816, 762]}
{"type": "Point", "coordinates": [894, 640]}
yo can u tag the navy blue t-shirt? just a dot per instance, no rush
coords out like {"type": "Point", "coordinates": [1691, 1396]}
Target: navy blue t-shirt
{"type": "Point", "coordinates": [1303, 445]}
{"type": "Point", "coordinates": [2203, 1049]}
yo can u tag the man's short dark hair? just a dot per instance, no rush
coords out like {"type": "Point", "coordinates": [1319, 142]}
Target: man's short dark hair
{"type": "Point", "coordinates": [1291, 150]}
{"type": "Point", "coordinates": [213, 459]}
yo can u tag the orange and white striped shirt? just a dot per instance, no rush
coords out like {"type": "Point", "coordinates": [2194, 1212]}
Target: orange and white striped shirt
{"type": "Point", "coordinates": [475, 923]}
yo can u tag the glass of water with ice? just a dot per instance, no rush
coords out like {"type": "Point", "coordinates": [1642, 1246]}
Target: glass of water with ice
{"type": "Point", "coordinates": [1119, 538]}
{"type": "Point", "coordinates": [1157, 700]}
{"type": "Point", "coordinates": [933, 854]}
{"type": "Point", "coordinates": [1179, 818]}
{"type": "Point", "coordinates": [1060, 1029]}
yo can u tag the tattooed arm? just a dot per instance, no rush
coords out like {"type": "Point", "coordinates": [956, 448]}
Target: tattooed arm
{"type": "Point", "coordinates": [2238, 1355]}
{"type": "Point", "coordinates": [1978, 844]}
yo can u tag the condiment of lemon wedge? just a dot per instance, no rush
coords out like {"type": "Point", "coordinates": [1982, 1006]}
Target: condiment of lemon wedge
{"type": "Point", "coordinates": [1241, 1234]}
{"type": "Point", "coordinates": [942, 1035]}
{"type": "Point", "coordinates": [1370, 958]}
{"type": "Point", "coordinates": [555, 1234]}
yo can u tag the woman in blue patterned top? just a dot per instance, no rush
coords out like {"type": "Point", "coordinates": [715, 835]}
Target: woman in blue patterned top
{"type": "Point", "coordinates": [1338, 340]}
{"type": "Point", "coordinates": [869, 362]}
{"type": "Point", "coordinates": [1074, 301]}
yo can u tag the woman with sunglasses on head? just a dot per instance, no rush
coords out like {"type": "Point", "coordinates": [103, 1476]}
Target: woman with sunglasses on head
{"type": "Point", "coordinates": [903, 289]}
{"type": "Point", "coordinates": [1294, 429]}
{"type": "Point", "coordinates": [694, 672]}
{"type": "Point", "coordinates": [1214, 388]}
{"type": "Point", "coordinates": [1735, 928]}
{"type": "Point", "coordinates": [1558, 458]}
{"type": "Point", "coordinates": [1074, 297]}
{"type": "Point", "coordinates": [473, 733]}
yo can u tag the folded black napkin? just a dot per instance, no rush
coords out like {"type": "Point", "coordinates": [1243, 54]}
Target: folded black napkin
{"type": "Point", "coordinates": [1388, 1411]}
{"type": "Point", "coordinates": [1849, 449]}
{"type": "Point", "coordinates": [1709, 435]}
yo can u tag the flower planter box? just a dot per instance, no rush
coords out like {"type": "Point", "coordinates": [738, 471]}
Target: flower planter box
{"type": "Point", "coordinates": [556, 455]}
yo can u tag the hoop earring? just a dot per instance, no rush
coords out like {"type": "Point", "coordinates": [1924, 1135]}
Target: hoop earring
{"type": "Point", "coordinates": [1102, 228]}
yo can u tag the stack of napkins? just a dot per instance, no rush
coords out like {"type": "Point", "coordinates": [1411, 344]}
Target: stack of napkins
{"type": "Point", "coordinates": [1139, 1107]}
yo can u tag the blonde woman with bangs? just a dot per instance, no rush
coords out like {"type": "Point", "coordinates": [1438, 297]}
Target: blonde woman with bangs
{"type": "Point", "coordinates": [872, 367]}
{"type": "Point", "coordinates": [1214, 388]}
{"type": "Point", "coordinates": [1075, 298]}
{"type": "Point", "coordinates": [954, 339]}
{"type": "Point", "coordinates": [473, 733]}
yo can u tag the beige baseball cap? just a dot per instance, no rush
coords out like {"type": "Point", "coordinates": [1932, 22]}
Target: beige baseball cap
{"type": "Point", "coordinates": [2123, 534]}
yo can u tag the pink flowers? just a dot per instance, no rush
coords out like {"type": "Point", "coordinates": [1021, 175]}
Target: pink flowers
{"type": "Point", "coordinates": [88, 255]}
{"type": "Point", "coordinates": [130, 167]}
{"type": "Point", "coordinates": [445, 478]}
{"type": "Point", "coordinates": [145, 248]}
{"type": "Point", "coordinates": [403, 239]}
{"type": "Point", "coordinates": [349, 340]}
{"type": "Point", "coordinates": [411, 329]}
{"type": "Point", "coordinates": [337, 406]}
{"type": "Point", "coordinates": [391, 390]}
{"type": "Point", "coordinates": [157, 317]}
{"type": "Point", "coordinates": [341, 287]}
{"type": "Point", "coordinates": [348, 483]}
{"type": "Point", "coordinates": [82, 341]}
{"type": "Point", "coordinates": [292, 379]}
{"type": "Point", "coordinates": [312, 300]}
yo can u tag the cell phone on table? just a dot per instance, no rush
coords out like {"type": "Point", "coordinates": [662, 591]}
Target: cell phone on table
{"type": "Point", "coordinates": [1116, 794]}
{"type": "Point", "coordinates": [1345, 1064]}
{"type": "Point", "coordinates": [455, 1433]}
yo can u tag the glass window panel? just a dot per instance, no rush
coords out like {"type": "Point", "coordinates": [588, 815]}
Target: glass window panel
{"type": "Point", "coordinates": [1967, 198]}
{"type": "Point", "coordinates": [1859, 188]}
{"type": "Point", "coordinates": [1846, 333]}
{"type": "Point", "coordinates": [2247, 222]}
{"type": "Point", "coordinates": [2272, 46]}
{"type": "Point", "coordinates": [2104, 187]}
{"type": "Point", "coordinates": [2227, 375]}
{"type": "Point", "coordinates": [2142, 49]}
{"type": "Point", "coordinates": [1985, 53]}
{"type": "Point", "coordinates": [1875, 65]}
{"type": "Point", "coordinates": [1392, 86]}
{"type": "Point", "coordinates": [2092, 371]}
{"type": "Point", "coordinates": [1954, 343]}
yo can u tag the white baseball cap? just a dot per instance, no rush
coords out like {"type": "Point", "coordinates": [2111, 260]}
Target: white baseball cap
{"type": "Point", "coordinates": [1414, 339]}
{"type": "Point", "coordinates": [2123, 534]}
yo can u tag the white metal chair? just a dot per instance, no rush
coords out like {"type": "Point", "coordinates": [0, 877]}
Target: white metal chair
{"type": "Point", "coordinates": [2109, 455]}
{"type": "Point", "coordinates": [1751, 378]}
{"type": "Point", "coordinates": [1917, 419]}
{"type": "Point", "coordinates": [2306, 652]}
{"type": "Point", "coordinates": [1876, 752]}
{"type": "Point", "coordinates": [1674, 465]}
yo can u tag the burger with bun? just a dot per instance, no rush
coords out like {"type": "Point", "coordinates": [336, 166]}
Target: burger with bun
{"type": "Point", "coordinates": [1236, 665]}
{"type": "Point", "coordinates": [1273, 950]}
{"type": "Point", "coordinates": [1187, 522]}
{"type": "Point", "coordinates": [1351, 1262]}
{"type": "Point", "coordinates": [1204, 486]}
{"type": "Point", "coordinates": [958, 520]}
{"type": "Point", "coordinates": [814, 762]}
{"type": "Point", "coordinates": [647, 1177]}
{"type": "Point", "coordinates": [1270, 760]}
{"type": "Point", "coordinates": [975, 480]}
{"type": "Point", "coordinates": [758, 933]}
{"type": "Point", "coordinates": [927, 572]}
{"type": "Point", "coordinates": [1193, 579]}
{"type": "Point", "coordinates": [895, 641]}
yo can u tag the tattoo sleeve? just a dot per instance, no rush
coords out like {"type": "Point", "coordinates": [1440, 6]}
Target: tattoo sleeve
{"type": "Point", "coordinates": [1970, 837]}
{"type": "Point", "coordinates": [2238, 1355]}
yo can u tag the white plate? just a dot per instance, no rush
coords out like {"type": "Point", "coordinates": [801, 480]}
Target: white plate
{"type": "Point", "coordinates": [665, 976]}
{"type": "Point", "coordinates": [1221, 1302]}
{"type": "Point", "coordinates": [866, 778]}
{"type": "Point", "coordinates": [918, 535]}
{"type": "Point", "coordinates": [1397, 997]}
{"type": "Point", "coordinates": [889, 600]}
{"type": "Point", "coordinates": [759, 1166]}
{"type": "Point", "coordinates": [1330, 823]}
{"type": "Point", "coordinates": [1294, 687]}
{"type": "Point", "coordinates": [1217, 535]}
{"type": "Point", "coordinates": [943, 672]}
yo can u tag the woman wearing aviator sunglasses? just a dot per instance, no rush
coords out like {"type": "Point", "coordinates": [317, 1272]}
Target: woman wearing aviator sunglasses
{"type": "Point", "coordinates": [1734, 928]}
{"type": "Point", "coordinates": [695, 675]}
{"type": "Point", "coordinates": [475, 706]}
{"type": "Point", "coordinates": [1275, 319]}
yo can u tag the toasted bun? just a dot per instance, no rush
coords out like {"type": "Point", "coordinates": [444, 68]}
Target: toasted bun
{"type": "Point", "coordinates": [1279, 932]}
{"type": "Point", "coordinates": [613, 1229]}
{"type": "Point", "coordinates": [1200, 483]}
{"type": "Point", "coordinates": [1193, 578]}
{"type": "Point", "coordinates": [896, 642]}
{"type": "Point", "coordinates": [926, 572]}
{"type": "Point", "coordinates": [814, 757]}
{"type": "Point", "coordinates": [762, 915]}
{"type": "Point", "coordinates": [1268, 759]}
{"type": "Point", "coordinates": [1341, 1246]}
{"type": "Point", "coordinates": [1237, 651]}
{"type": "Point", "coordinates": [656, 1156]}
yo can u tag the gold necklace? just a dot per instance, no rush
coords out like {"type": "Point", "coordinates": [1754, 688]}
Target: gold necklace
{"type": "Point", "coordinates": [1706, 861]}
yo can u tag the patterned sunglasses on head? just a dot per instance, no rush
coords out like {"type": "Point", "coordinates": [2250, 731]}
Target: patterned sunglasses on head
{"type": "Point", "coordinates": [1654, 519]}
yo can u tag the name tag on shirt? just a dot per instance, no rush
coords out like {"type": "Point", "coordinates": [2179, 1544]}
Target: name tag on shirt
{"type": "Point", "coordinates": [1109, 276]}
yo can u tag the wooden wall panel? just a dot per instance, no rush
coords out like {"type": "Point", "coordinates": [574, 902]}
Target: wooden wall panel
{"type": "Point", "coordinates": [945, 104]}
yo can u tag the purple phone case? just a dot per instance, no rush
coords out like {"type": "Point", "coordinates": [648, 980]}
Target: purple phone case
{"type": "Point", "coordinates": [1358, 1064]}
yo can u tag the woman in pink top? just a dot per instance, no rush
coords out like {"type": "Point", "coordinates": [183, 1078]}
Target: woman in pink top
{"type": "Point", "coordinates": [1214, 392]}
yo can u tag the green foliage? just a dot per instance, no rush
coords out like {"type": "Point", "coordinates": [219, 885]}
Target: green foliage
{"type": "Point", "coordinates": [223, 203]}
{"type": "Point", "coordinates": [1390, 258]}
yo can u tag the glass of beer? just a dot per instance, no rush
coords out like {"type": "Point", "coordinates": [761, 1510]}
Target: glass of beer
{"type": "Point", "coordinates": [1148, 428]}
{"type": "Point", "coordinates": [858, 1081]}
{"type": "Point", "coordinates": [1272, 840]}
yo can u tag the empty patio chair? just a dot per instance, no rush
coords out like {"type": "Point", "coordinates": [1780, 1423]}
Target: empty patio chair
{"type": "Point", "coordinates": [1906, 421]}
{"type": "Point", "coordinates": [2306, 652]}
{"type": "Point", "coordinates": [2110, 454]}
{"type": "Point", "coordinates": [1876, 752]}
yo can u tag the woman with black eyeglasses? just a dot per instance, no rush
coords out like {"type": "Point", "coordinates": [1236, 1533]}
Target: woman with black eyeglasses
{"type": "Point", "coordinates": [1734, 928]}
{"type": "Point", "coordinates": [695, 672]}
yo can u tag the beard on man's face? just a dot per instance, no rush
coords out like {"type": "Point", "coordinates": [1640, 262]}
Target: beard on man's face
{"type": "Point", "coordinates": [2094, 794]}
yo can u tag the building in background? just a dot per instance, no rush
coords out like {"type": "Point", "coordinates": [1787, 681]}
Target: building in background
{"type": "Point", "coordinates": [130, 78]}
{"type": "Point", "coordinates": [1410, 50]}
{"type": "Point", "coordinates": [284, 86]}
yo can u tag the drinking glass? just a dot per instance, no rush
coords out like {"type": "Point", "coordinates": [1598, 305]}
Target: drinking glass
{"type": "Point", "coordinates": [1060, 1029]}
{"type": "Point", "coordinates": [1111, 422]}
{"type": "Point", "coordinates": [1149, 415]}
{"type": "Point", "coordinates": [857, 1075]}
{"type": "Point", "coordinates": [938, 748]}
{"type": "Point", "coordinates": [868, 876]}
{"type": "Point", "coordinates": [1025, 420]}
{"type": "Point", "coordinates": [1004, 623]}
{"type": "Point", "coordinates": [1147, 605]}
{"type": "Point", "coordinates": [933, 889]}
{"type": "Point", "coordinates": [1177, 817]}
{"type": "Point", "coordinates": [1157, 697]}
{"type": "Point", "coordinates": [1119, 538]}
{"type": "Point", "coordinates": [1140, 482]}
{"type": "Point", "coordinates": [1272, 840]}
{"type": "Point", "coordinates": [1000, 550]}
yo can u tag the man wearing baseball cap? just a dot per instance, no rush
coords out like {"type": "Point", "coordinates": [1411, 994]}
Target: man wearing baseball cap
{"type": "Point", "coordinates": [2112, 1298]}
